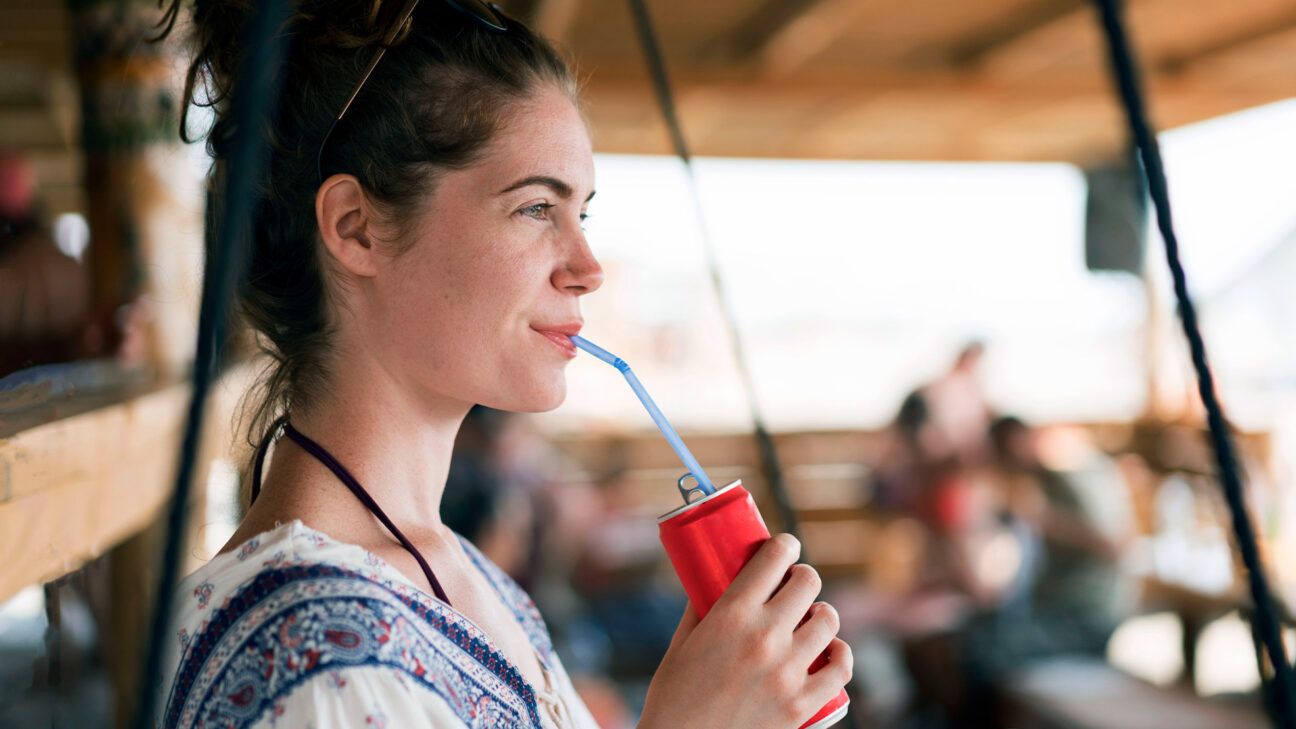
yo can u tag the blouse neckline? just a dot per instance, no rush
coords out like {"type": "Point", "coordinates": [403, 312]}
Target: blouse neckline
{"type": "Point", "coordinates": [548, 694]}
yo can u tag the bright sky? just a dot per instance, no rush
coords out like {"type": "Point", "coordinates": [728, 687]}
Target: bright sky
{"type": "Point", "coordinates": [856, 281]}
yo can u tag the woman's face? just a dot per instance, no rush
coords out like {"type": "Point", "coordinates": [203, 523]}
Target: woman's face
{"type": "Point", "coordinates": [477, 307]}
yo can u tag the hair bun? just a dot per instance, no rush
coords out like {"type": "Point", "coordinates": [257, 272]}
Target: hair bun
{"type": "Point", "coordinates": [216, 31]}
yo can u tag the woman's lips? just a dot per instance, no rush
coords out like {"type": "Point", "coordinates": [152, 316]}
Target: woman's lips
{"type": "Point", "coordinates": [562, 341]}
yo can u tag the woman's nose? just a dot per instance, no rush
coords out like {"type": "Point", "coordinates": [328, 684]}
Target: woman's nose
{"type": "Point", "coordinates": [579, 272]}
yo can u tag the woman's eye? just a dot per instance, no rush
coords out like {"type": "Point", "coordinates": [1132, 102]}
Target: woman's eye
{"type": "Point", "coordinates": [539, 211]}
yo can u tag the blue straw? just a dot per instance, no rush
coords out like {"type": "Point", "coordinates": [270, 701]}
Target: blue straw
{"type": "Point", "coordinates": [663, 424]}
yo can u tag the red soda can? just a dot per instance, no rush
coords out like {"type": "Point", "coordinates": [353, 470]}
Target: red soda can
{"type": "Point", "coordinates": [708, 542]}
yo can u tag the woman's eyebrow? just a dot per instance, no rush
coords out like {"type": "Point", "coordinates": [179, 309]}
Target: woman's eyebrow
{"type": "Point", "coordinates": [562, 189]}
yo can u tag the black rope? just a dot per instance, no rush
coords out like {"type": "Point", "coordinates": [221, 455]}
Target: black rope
{"type": "Point", "coordinates": [1266, 621]}
{"type": "Point", "coordinates": [1264, 669]}
{"type": "Point", "coordinates": [768, 454]}
{"type": "Point", "coordinates": [252, 107]}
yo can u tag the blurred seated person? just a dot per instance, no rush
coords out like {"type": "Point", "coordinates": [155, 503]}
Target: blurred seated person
{"type": "Point", "coordinates": [945, 554]}
{"type": "Point", "coordinates": [1033, 544]}
{"type": "Point", "coordinates": [44, 294]}
{"type": "Point", "coordinates": [919, 477]}
{"type": "Point", "coordinates": [1082, 517]}
{"type": "Point", "coordinates": [941, 423]}
{"type": "Point", "coordinates": [912, 448]}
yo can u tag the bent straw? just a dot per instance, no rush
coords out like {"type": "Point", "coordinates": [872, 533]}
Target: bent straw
{"type": "Point", "coordinates": [663, 424]}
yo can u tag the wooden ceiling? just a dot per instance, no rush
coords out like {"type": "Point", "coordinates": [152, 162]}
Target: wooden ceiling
{"type": "Point", "coordinates": [916, 79]}
{"type": "Point", "coordinates": [853, 79]}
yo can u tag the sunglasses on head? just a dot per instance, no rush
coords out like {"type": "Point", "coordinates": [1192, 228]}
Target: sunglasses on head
{"type": "Point", "coordinates": [488, 15]}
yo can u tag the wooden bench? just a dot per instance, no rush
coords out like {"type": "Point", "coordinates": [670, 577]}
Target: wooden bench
{"type": "Point", "coordinates": [1079, 693]}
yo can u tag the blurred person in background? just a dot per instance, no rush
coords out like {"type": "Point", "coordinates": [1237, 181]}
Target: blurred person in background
{"type": "Point", "coordinates": [970, 551]}
{"type": "Point", "coordinates": [1082, 519]}
{"type": "Point", "coordinates": [1036, 547]}
{"type": "Point", "coordinates": [912, 447]}
{"type": "Point", "coordinates": [44, 294]}
{"type": "Point", "coordinates": [921, 477]}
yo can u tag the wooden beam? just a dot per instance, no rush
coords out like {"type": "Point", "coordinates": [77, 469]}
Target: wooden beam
{"type": "Point", "coordinates": [746, 86]}
{"type": "Point", "coordinates": [975, 48]}
{"type": "Point", "coordinates": [937, 115]}
{"type": "Point", "coordinates": [74, 487]}
{"type": "Point", "coordinates": [782, 36]}
{"type": "Point", "coordinates": [34, 127]}
{"type": "Point", "coordinates": [771, 17]}
{"type": "Point", "coordinates": [1279, 23]}
{"type": "Point", "coordinates": [802, 37]}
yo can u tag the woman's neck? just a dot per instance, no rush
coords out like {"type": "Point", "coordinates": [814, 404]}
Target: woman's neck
{"type": "Point", "coordinates": [396, 445]}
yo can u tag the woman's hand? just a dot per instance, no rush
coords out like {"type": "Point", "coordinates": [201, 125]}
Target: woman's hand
{"type": "Point", "coordinates": [745, 665]}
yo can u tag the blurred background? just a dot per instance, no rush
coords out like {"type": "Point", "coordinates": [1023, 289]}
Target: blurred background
{"type": "Point", "coordinates": [956, 317]}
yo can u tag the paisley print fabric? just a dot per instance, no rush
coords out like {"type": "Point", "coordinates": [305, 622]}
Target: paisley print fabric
{"type": "Point", "coordinates": [294, 629]}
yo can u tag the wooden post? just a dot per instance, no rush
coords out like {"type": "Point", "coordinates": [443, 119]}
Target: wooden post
{"type": "Point", "coordinates": [144, 206]}
{"type": "Point", "coordinates": [132, 577]}
{"type": "Point", "coordinates": [143, 188]}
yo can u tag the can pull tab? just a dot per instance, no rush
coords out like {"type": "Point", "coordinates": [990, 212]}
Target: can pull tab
{"type": "Point", "coordinates": [690, 493]}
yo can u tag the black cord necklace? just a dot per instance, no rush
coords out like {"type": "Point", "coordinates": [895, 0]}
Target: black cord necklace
{"type": "Point", "coordinates": [321, 454]}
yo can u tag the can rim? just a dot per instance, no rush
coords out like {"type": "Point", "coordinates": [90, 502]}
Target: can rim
{"type": "Point", "coordinates": [838, 714]}
{"type": "Point", "coordinates": [680, 510]}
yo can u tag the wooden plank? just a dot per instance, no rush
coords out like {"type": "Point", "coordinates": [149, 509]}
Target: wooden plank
{"type": "Point", "coordinates": [86, 479]}
{"type": "Point", "coordinates": [763, 25]}
{"type": "Point", "coordinates": [75, 487]}
{"type": "Point", "coordinates": [38, 419]}
{"type": "Point", "coordinates": [1078, 693]}
{"type": "Point", "coordinates": [802, 37]}
{"type": "Point", "coordinates": [924, 115]}
{"type": "Point", "coordinates": [973, 49]}
{"type": "Point", "coordinates": [1277, 24]}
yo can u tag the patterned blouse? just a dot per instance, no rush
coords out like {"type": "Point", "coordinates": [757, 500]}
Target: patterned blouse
{"type": "Point", "coordinates": [296, 630]}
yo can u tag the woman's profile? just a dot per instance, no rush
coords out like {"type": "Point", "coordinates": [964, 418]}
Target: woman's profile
{"type": "Point", "coordinates": [418, 249]}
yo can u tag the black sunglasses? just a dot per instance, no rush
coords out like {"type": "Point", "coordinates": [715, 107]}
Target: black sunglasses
{"type": "Point", "coordinates": [487, 14]}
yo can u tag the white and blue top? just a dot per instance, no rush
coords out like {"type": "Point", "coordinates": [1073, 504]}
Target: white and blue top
{"type": "Point", "coordinates": [295, 629]}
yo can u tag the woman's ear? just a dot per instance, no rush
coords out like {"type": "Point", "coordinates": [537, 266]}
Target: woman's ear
{"type": "Point", "coordinates": [345, 224]}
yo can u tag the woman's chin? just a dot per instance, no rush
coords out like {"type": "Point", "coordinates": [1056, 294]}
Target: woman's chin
{"type": "Point", "coordinates": [540, 399]}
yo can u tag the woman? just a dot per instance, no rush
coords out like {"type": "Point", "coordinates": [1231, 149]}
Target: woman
{"type": "Point", "coordinates": [423, 254]}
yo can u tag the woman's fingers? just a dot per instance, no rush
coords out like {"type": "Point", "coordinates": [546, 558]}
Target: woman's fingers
{"type": "Point", "coordinates": [822, 685]}
{"type": "Point", "coordinates": [761, 575]}
{"type": "Point", "coordinates": [815, 634]}
{"type": "Point", "coordinates": [763, 635]}
{"type": "Point", "coordinates": [794, 598]}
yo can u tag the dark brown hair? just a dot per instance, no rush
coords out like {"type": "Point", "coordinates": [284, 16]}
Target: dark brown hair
{"type": "Point", "coordinates": [433, 103]}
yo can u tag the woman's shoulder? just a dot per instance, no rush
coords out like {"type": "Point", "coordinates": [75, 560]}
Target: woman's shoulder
{"type": "Point", "coordinates": [292, 610]}
{"type": "Point", "coordinates": [288, 552]}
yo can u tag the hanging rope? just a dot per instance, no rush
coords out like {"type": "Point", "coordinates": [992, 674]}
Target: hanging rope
{"type": "Point", "coordinates": [770, 465]}
{"type": "Point", "coordinates": [1283, 702]}
{"type": "Point", "coordinates": [252, 108]}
